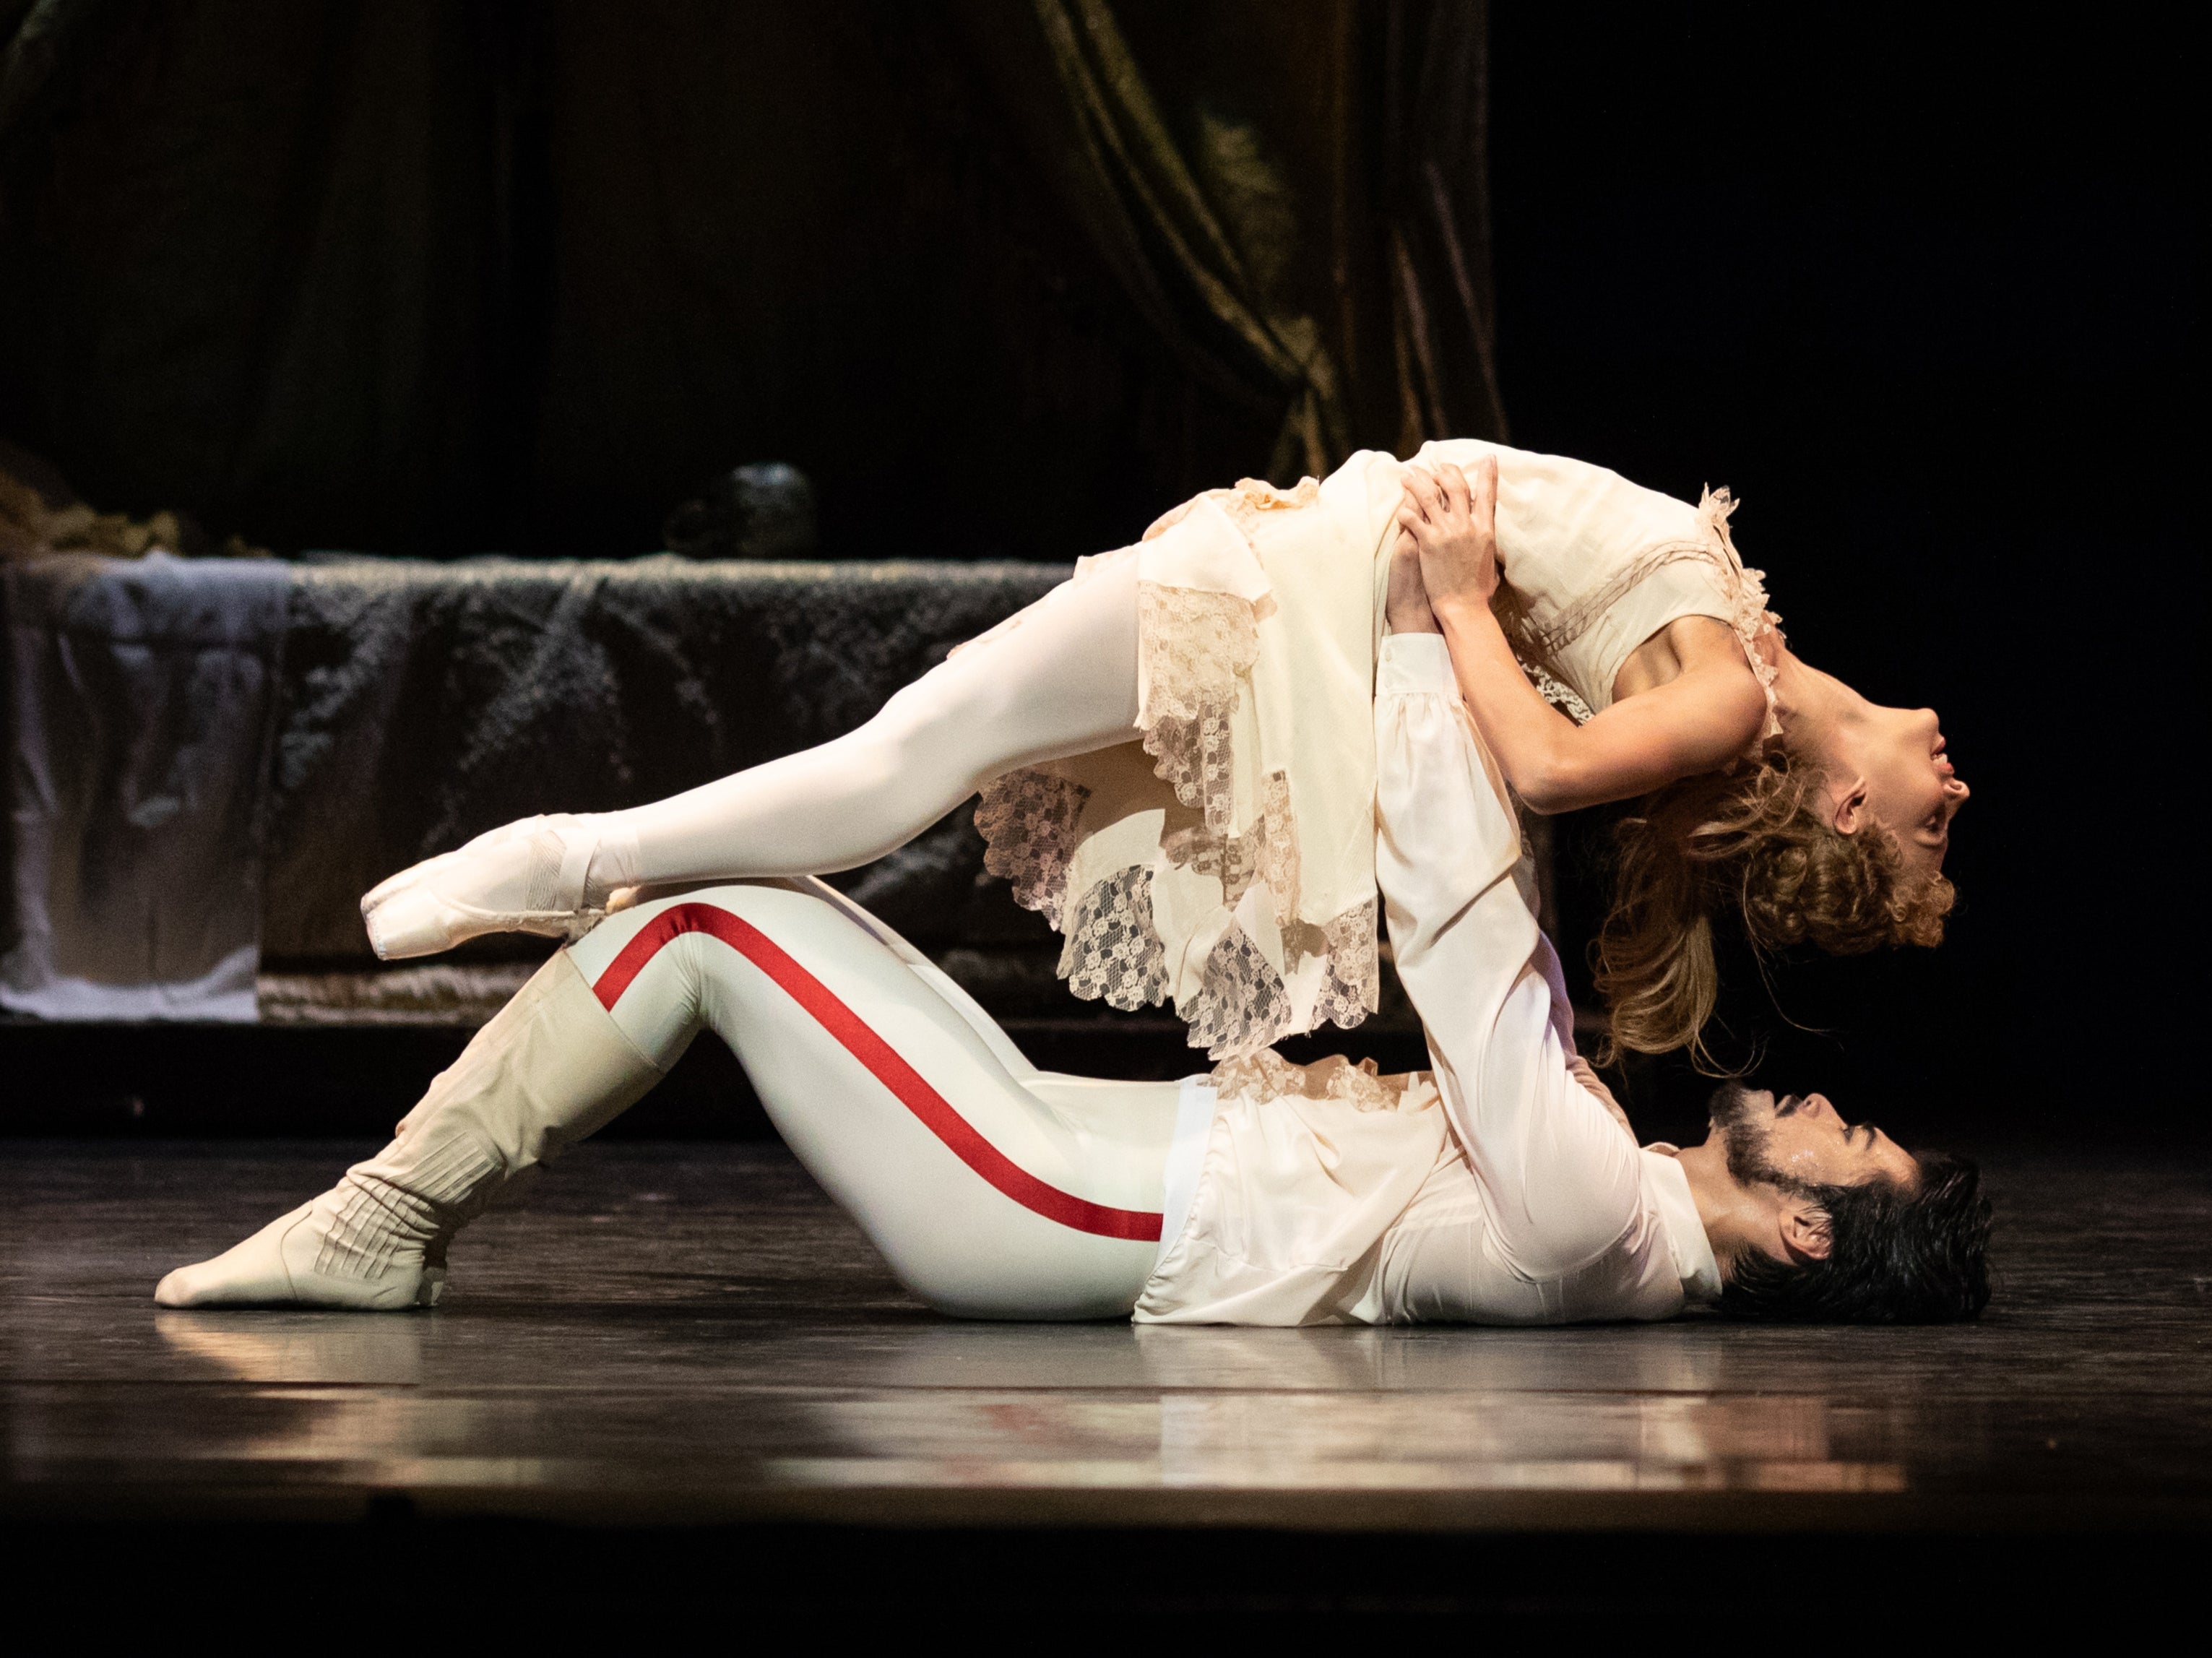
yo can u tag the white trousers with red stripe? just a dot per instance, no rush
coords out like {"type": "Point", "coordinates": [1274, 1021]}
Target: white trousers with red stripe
{"type": "Point", "coordinates": [995, 1190]}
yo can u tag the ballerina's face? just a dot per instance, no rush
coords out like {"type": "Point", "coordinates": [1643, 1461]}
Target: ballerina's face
{"type": "Point", "coordinates": [1895, 771]}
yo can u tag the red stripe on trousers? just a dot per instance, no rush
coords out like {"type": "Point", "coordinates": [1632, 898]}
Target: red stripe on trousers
{"type": "Point", "coordinates": [881, 1059]}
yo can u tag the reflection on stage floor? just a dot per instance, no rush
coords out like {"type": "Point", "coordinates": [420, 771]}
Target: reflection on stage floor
{"type": "Point", "coordinates": [679, 1333]}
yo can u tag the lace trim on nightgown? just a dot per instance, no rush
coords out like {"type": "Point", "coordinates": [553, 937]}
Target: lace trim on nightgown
{"type": "Point", "coordinates": [1196, 646]}
{"type": "Point", "coordinates": [1751, 619]}
{"type": "Point", "coordinates": [1353, 987]}
{"type": "Point", "coordinates": [1746, 601]}
{"type": "Point", "coordinates": [1557, 692]}
{"type": "Point", "coordinates": [1114, 953]}
{"type": "Point", "coordinates": [1028, 822]}
{"type": "Point", "coordinates": [1267, 853]}
{"type": "Point", "coordinates": [1268, 1076]}
{"type": "Point", "coordinates": [1241, 1005]}
{"type": "Point", "coordinates": [1193, 648]}
{"type": "Point", "coordinates": [1243, 504]}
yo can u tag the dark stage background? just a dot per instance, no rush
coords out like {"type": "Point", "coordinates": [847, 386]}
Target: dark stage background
{"type": "Point", "coordinates": [1922, 292]}
{"type": "Point", "coordinates": [1922, 286]}
{"type": "Point", "coordinates": [1001, 278]}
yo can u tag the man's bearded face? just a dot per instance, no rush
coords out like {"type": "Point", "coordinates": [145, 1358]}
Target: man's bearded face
{"type": "Point", "coordinates": [1739, 1119]}
{"type": "Point", "coordinates": [1800, 1145]}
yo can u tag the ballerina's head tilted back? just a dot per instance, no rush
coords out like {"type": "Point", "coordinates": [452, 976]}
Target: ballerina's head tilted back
{"type": "Point", "coordinates": [1834, 837]}
{"type": "Point", "coordinates": [1763, 788]}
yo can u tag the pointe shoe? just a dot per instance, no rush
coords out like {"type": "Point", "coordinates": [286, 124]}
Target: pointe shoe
{"type": "Point", "coordinates": [354, 1246]}
{"type": "Point", "coordinates": [527, 877]}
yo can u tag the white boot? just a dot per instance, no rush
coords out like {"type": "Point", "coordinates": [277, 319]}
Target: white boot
{"type": "Point", "coordinates": [533, 876]}
{"type": "Point", "coordinates": [551, 1068]}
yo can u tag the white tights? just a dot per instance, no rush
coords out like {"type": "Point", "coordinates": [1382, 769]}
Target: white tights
{"type": "Point", "coordinates": [995, 1190]}
{"type": "Point", "coordinates": [1063, 683]}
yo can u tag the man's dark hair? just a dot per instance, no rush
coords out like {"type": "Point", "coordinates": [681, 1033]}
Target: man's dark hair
{"type": "Point", "coordinates": [1896, 1255]}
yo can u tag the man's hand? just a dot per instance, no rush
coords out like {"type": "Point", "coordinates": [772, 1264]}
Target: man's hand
{"type": "Point", "coordinates": [1405, 610]}
{"type": "Point", "coordinates": [1453, 520]}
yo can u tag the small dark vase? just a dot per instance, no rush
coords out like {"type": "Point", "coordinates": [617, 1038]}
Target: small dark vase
{"type": "Point", "coordinates": [765, 510]}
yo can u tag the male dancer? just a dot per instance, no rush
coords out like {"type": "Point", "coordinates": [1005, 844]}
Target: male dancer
{"type": "Point", "coordinates": [1505, 1188]}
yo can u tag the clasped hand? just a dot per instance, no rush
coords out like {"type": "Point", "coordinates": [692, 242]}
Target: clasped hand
{"type": "Point", "coordinates": [1449, 521]}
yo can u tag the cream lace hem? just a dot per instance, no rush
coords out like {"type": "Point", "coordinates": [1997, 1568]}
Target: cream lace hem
{"type": "Point", "coordinates": [1353, 987]}
{"type": "Point", "coordinates": [1028, 822]}
{"type": "Point", "coordinates": [1243, 504]}
{"type": "Point", "coordinates": [1751, 619]}
{"type": "Point", "coordinates": [1193, 648]}
{"type": "Point", "coordinates": [1268, 1076]}
{"type": "Point", "coordinates": [1557, 692]}
{"type": "Point", "coordinates": [1114, 954]}
{"type": "Point", "coordinates": [1197, 648]}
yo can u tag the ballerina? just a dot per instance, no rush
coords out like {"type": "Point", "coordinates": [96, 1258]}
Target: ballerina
{"type": "Point", "coordinates": [1177, 767]}
{"type": "Point", "coordinates": [1637, 657]}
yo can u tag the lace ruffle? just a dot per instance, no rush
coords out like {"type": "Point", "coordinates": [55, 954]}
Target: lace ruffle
{"type": "Point", "coordinates": [1557, 692]}
{"type": "Point", "coordinates": [1267, 852]}
{"type": "Point", "coordinates": [1275, 853]}
{"type": "Point", "coordinates": [1268, 1076]}
{"type": "Point", "coordinates": [1241, 1004]}
{"type": "Point", "coordinates": [1243, 504]}
{"type": "Point", "coordinates": [1114, 952]}
{"type": "Point", "coordinates": [1194, 648]}
{"type": "Point", "coordinates": [1197, 646]}
{"type": "Point", "coordinates": [1751, 619]}
{"type": "Point", "coordinates": [1197, 650]}
{"type": "Point", "coordinates": [1352, 988]}
{"type": "Point", "coordinates": [1028, 820]}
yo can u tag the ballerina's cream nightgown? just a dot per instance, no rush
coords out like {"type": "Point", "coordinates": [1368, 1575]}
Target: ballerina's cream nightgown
{"type": "Point", "coordinates": [1224, 858]}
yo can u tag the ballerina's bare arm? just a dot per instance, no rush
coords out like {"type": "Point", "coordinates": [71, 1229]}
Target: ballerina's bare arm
{"type": "Point", "coordinates": [1696, 722]}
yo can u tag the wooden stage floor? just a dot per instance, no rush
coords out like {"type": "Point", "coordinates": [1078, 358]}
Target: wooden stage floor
{"type": "Point", "coordinates": [681, 1336]}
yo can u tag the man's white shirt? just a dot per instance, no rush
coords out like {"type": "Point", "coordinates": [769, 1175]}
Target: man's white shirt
{"type": "Point", "coordinates": [1499, 1192]}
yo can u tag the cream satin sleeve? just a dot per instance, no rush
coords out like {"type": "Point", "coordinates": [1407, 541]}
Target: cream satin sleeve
{"type": "Point", "coordinates": [1559, 1180]}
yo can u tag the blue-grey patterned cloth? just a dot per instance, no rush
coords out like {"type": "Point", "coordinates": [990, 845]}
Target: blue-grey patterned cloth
{"type": "Point", "coordinates": [141, 696]}
{"type": "Point", "coordinates": [319, 725]}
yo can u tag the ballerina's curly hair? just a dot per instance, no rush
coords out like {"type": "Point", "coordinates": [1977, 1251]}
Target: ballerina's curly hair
{"type": "Point", "coordinates": [1760, 841]}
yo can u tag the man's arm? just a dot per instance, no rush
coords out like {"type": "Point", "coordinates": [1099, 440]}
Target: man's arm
{"type": "Point", "coordinates": [1560, 1178]}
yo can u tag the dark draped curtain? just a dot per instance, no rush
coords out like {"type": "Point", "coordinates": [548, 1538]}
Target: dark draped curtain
{"type": "Point", "coordinates": [1006, 277]}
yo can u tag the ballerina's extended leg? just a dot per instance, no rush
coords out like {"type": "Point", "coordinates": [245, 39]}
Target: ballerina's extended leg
{"type": "Point", "coordinates": [1064, 682]}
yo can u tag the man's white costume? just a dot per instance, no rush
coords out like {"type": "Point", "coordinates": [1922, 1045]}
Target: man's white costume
{"type": "Point", "coordinates": [1497, 1190]}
